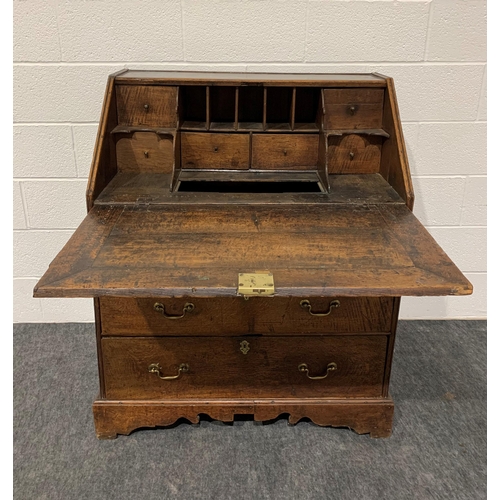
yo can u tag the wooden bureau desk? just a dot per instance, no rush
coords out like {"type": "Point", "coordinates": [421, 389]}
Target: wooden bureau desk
{"type": "Point", "coordinates": [247, 242]}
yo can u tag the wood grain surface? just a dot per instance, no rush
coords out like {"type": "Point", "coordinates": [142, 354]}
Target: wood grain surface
{"type": "Point", "coordinates": [236, 316]}
{"type": "Point", "coordinates": [373, 416]}
{"type": "Point", "coordinates": [218, 367]}
{"type": "Point", "coordinates": [329, 250]}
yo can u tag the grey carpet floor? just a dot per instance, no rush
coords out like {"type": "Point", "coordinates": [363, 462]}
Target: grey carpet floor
{"type": "Point", "coordinates": [437, 450]}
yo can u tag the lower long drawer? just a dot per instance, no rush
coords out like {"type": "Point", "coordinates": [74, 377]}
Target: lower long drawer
{"type": "Point", "coordinates": [244, 367]}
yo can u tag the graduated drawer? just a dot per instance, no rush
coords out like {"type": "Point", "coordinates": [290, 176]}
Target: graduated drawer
{"type": "Point", "coordinates": [353, 108]}
{"type": "Point", "coordinates": [285, 151]}
{"type": "Point", "coordinates": [218, 151]}
{"type": "Point", "coordinates": [144, 152]}
{"type": "Point", "coordinates": [148, 105]}
{"type": "Point", "coordinates": [236, 316]}
{"type": "Point", "coordinates": [354, 154]}
{"type": "Point", "coordinates": [251, 367]}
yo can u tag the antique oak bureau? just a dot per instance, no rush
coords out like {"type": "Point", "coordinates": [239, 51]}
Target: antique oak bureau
{"type": "Point", "coordinates": [247, 243]}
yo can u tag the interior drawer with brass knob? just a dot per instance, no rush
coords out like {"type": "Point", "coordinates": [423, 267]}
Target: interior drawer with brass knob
{"type": "Point", "coordinates": [285, 151]}
{"type": "Point", "coordinates": [215, 150]}
{"type": "Point", "coordinates": [244, 367]}
{"type": "Point", "coordinates": [354, 154]}
{"type": "Point", "coordinates": [148, 105]}
{"type": "Point", "coordinates": [236, 316]}
{"type": "Point", "coordinates": [353, 108]}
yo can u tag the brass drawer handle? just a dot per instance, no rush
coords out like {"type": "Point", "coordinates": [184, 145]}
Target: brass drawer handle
{"type": "Point", "coordinates": [159, 307]}
{"type": "Point", "coordinates": [330, 368]}
{"type": "Point", "coordinates": [156, 368]}
{"type": "Point", "coordinates": [305, 304]}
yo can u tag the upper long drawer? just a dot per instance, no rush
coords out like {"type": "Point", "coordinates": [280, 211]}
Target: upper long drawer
{"type": "Point", "coordinates": [185, 251]}
{"type": "Point", "coordinates": [235, 316]}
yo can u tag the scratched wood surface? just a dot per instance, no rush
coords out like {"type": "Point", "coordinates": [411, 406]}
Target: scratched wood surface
{"type": "Point", "coordinates": [126, 316]}
{"type": "Point", "coordinates": [133, 188]}
{"type": "Point", "coordinates": [328, 250]}
{"type": "Point", "coordinates": [218, 367]}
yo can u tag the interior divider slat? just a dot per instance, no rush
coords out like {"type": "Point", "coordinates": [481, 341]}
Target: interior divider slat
{"type": "Point", "coordinates": [207, 123]}
{"type": "Point", "coordinates": [264, 115]}
{"type": "Point", "coordinates": [236, 105]}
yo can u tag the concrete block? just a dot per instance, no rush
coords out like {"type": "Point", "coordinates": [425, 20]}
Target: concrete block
{"type": "Point", "coordinates": [26, 309]}
{"type": "Point", "coordinates": [227, 31]}
{"type": "Point", "coordinates": [121, 30]}
{"type": "Point", "coordinates": [440, 92]}
{"type": "Point", "coordinates": [457, 31]}
{"type": "Point", "coordinates": [366, 31]}
{"type": "Point", "coordinates": [453, 307]}
{"type": "Point", "coordinates": [474, 205]}
{"type": "Point", "coordinates": [35, 32]}
{"type": "Point", "coordinates": [84, 137]}
{"type": "Point", "coordinates": [35, 250]}
{"type": "Point", "coordinates": [466, 246]}
{"type": "Point", "coordinates": [483, 108]}
{"type": "Point", "coordinates": [438, 201]}
{"type": "Point", "coordinates": [410, 133]}
{"type": "Point", "coordinates": [451, 149]}
{"type": "Point", "coordinates": [60, 93]}
{"type": "Point", "coordinates": [19, 221]}
{"type": "Point", "coordinates": [68, 310]}
{"type": "Point", "coordinates": [43, 151]}
{"type": "Point", "coordinates": [55, 204]}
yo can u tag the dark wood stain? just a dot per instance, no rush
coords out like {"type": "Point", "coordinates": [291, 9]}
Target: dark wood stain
{"type": "Point", "coordinates": [143, 241]}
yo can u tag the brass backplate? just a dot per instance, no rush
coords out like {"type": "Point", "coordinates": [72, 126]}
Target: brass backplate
{"type": "Point", "coordinates": [256, 284]}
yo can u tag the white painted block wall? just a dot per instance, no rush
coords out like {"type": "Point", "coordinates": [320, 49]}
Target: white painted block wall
{"type": "Point", "coordinates": [64, 50]}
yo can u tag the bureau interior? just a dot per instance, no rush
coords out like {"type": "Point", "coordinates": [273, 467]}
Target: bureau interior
{"type": "Point", "coordinates": [252, 138]}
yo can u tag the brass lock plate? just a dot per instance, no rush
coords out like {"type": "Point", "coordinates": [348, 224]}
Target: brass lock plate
{"type": "Point", "coordinates": [256, 284]}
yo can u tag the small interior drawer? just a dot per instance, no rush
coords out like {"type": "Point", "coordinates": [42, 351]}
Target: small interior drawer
{"type": "Point", "coordinates": [148, 105]}
{"type": "Point", "coordinates": [354, 154]}
{"type": "Point", "coordinates": [285, 151]}
{"type": "Point", "coordinates": [214, 150]}
{"type": "Point", "coordinates": [246, 367]}
{"type": "Point", "coordinates": [236, 316]}
{"type": "Point", "coordinates": [353, 108]}
{"type": "Point", "coordinates": [144, 152]}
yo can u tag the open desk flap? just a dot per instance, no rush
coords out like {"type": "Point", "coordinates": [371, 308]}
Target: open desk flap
{"type": "Point", "coordinates": [328, 250]}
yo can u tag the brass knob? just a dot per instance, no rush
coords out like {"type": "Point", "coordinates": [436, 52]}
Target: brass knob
{"type": "Point", "coordinates": [216, 149]}
{"type": "Point", "coordinates": [351, 155]}
{"type": "Point", "coordinates": [146, 154]}
{"type": "Point", "coordinates": [285, 152]}
{"type": "Point", "coordinates": [146, 107]}
{"type": "Point", "coordinates": [352, 109]}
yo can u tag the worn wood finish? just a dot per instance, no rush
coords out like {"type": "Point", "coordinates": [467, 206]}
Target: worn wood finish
{"type": "Point", "coordinates": [236, 316]}
{"type": "Point", "coordinates": [152, 189]}
{"type": "Point", "coordinates": [145, 77]}
{"type": "Point", "coordinates": [218, 151]}
{"type": "Point", "coordinates": [218, 367]}
{"type": "Point", "coordinates": [261, 142]}
{"type": "Point", "coordinates": [145, 152]}
{"type": "Point", "coordinates": [145, 105]}
{"type": "Point", "coordinates": [354, 154]}
{"type": "Point", "coordinates": [373, 416]}
{"type": "Point", "coordinates": [394, 163]}
{"type": "Point", "coordinates": [288, 151]}
{"type": "Point", "coordinates": [380, 250]}
{"type": "Point", "coordinates": [353, 108]}
{"type": "Point", "coordinates": [103, 167]}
